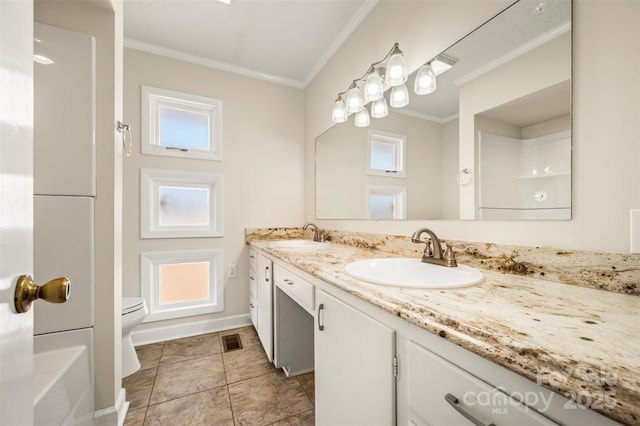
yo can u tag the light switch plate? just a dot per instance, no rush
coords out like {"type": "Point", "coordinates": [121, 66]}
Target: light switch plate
{"type": "Point", "coordinates": [635, 231]}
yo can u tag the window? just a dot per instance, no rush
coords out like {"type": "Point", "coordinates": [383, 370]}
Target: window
{"type": "Point", "coordinates": [180, 204]}
{"type": "Point", "coordinates": [179, 284]}
{"type": "Point", "coordinates": [386, 202]}
{"type": "Point", "coordinates": [181, 125]}
{"type": "Point", "coordinates": [386, 154]}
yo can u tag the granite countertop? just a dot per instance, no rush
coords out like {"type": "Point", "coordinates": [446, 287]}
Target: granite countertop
{"type": "Point", "coordinates": [568, 338]}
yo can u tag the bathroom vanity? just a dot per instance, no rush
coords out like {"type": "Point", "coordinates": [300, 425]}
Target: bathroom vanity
{"type": "Point", "coordinates": [510, 350]}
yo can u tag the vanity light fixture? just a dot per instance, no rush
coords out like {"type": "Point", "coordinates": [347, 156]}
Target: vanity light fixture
{"type": "Point", "coordinates": [376, 81]}
{"type": "Point", "coordinates": [399, 96]}
{"type": "Point", "coordinates": [396, 73]}
{"type": "Point", "coordinates": [425, 80]}
{"type": "Point", "coordinates": [373, 88]}
{"type": "Point", "coordinates": [354, 100]}
{"type": "Point", "coordinates": [362, 118]}
{"type": "Point", "coordinates": [379, 108]}
{"type": "Point", "coordinates": [340, 113]}
{"type": "Point", "coordinates": [426, 75]}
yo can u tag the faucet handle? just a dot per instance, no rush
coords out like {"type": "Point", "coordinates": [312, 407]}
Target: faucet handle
{"type": "Point", "coordinates": [450, 255]}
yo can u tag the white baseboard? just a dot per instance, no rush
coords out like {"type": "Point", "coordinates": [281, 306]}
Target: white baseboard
{"type": "Point", "coordinates": [161, 333]}
{"type": "Point", "coordinates": [113, 415]}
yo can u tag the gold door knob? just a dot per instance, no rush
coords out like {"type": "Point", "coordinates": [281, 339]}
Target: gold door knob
{"type": "Point", "coordinates": [54, 291]}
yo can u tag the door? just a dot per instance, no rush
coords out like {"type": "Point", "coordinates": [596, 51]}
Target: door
{"type": "Point", "coordinates": [354, 372]}
{"type": "Point", "coordinates": [16, 208]}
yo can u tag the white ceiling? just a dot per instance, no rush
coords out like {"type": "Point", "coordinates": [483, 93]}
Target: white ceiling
{"type": "Point", "coordinates": [285, 41]}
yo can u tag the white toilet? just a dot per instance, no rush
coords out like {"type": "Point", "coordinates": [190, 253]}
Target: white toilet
{"type": "Point", "coordinates": [134, 310]}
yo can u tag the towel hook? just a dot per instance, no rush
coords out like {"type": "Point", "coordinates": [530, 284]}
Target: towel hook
{"type": "Point", "coordinates": [464, 176]}
{"type": "Point", "coordinates": [127, 140]}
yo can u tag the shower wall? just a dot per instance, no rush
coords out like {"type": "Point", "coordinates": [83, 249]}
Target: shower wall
{"type": "Point", "coordinates": [524, 178]}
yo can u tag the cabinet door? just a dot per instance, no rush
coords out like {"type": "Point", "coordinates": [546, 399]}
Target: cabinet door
{"type": "Point", "coordinates": [265, 304]}
{"type": "Point", "coordinates": [354, 353]}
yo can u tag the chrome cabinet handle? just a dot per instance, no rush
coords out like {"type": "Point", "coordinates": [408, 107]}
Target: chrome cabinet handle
{"type": "Point", "coordinates": [252, 306]}
{"type": "Point", "coordinates": [455, 403]}
{"type": "Point", "coordinates": [289, 282]}
{"type": "Point", "coordinates": [320, 325]}
{"type": "Point", "coordinates": [266, 271]}
{"type": "Point", "coordinates": [251, 278]}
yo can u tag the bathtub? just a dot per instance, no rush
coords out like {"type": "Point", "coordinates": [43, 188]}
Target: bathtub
{"type": "Point", "coordinates": [62, 385]}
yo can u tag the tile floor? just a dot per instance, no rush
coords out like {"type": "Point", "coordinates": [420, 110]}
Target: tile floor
{"type": "Point", "coordinates": [192, 381]}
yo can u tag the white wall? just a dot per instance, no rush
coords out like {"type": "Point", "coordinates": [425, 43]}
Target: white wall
{"type": "Point", "coordinates": [262, 167]}
{"type": "Point", "coordinates": [606, 116]}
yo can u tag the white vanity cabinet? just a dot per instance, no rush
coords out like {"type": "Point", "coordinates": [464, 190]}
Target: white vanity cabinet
{"type": "Point", "coordinates": [374, 368]}
{"type": "Point", "coordinates": [265, 303]}
{"type": "Point", "coordinates": [293, 304]}
{"type": "Point", "coordinates": [354, 361]}
{"type": "Point", "coordinates": [253, 287]}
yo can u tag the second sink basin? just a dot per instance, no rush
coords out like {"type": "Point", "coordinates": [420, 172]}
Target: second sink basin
{"type": "Point", "coordinates": [297, 244]}
{"type": "Point", "coordinates": [410, 272]}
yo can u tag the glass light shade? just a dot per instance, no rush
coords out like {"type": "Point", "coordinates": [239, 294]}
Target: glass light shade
{"type": "Point", "coordinates": [379, 108]}
{"type": "Point", "coordinates": [354, 100]}
{"type": "Point", "coordinates": [362, 118]}
{"type": "Point", "coordinates": [399, 96]}
{"type": "Point", "coordinates": [339, 114]}
{"type": "Point", "coordinates": [373, 89]}
{"type": "Point", "coordinates": [425, 80]}
{"type": "Point", "coordinates": [396, 70]}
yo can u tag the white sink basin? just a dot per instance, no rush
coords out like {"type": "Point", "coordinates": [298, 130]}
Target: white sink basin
{"type": "Point", "coordinates": [405, 272]}
{"type": "Point", "coordinates": [297, 244]}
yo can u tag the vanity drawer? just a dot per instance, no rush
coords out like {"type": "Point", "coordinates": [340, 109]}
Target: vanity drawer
{"type": "Point", "coordinates": [253, 260]}
{"type": "Point", "coordinates": [296, 287]}
{"type": "Point", "coordinates": [442, 393]}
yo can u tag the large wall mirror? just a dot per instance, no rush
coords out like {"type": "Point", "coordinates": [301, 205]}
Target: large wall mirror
{"type": "Point", "coordinates": [492, 142]}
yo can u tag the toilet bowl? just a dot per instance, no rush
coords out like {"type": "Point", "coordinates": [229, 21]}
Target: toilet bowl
{"type": "Point", "coordinates": [134, 310]}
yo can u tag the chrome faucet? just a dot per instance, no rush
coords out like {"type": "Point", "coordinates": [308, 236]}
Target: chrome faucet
{"type": "Point", "coordinates": [433, 251]}
{"type": "Point", "coordinates": [318, 235]}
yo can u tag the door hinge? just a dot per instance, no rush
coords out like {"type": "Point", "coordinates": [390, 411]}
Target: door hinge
{"type": "Point", "coordinates": [395, 367]}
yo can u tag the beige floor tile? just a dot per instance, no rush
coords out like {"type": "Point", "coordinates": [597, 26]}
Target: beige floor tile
{"type": "Point", "coordinates": [187, 377]}
{"type": "Point", "coordinates": [266, 399]}
{"type": "Point", "coordinates": [248, 336]}
{"type": "Point", "coordinates": [149, 355]}
{"type": "Point", "coordinates": [190, 348]}
{"type": "Point", "coordinates": [309, 385]}
{"type": "Point", "coordinates": [139, 386]}
{"type": "Point", "coordinates": [246, 363]}
{"type": "Point", "coordinates": [308, 418]}
{"type": "Point", "coordinates": [135, 417]}
{"type": "Point", "coordinates": [211, 407]}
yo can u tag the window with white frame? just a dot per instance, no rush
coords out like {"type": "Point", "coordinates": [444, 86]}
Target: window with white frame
{"type": "Point", "coordinates": [181, 125]}
{"type": "Point", "coordinates": [386, 202]}
{"type": "Point", "coordinates": [182, 283]}
{"type": "Point", "coordinates": [176, 204]}
{"type": "Point", "coordinates": [385, 154]}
